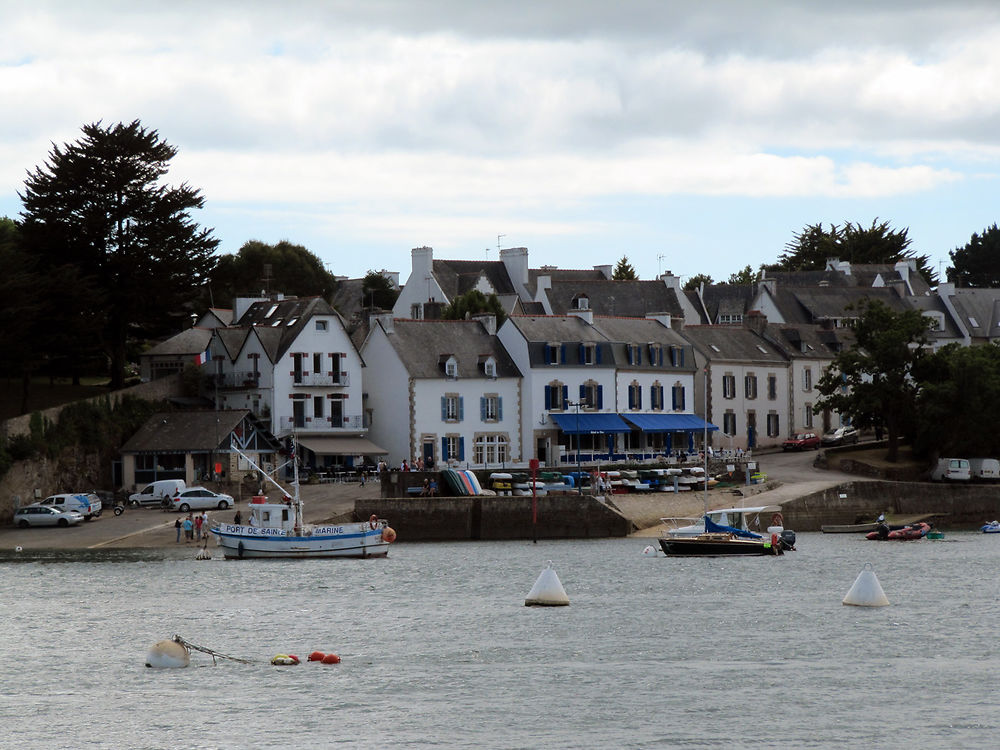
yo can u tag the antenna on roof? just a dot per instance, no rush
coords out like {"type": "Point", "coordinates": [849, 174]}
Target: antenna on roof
{"type": "Point", "coordinates": [659, 264]}
{"type": "Point", "coordinates": [487, 253]}
{"type": "Point", "coordinates": [499, 236]}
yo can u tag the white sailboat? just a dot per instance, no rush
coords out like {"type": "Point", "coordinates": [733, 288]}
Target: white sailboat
{"type": "Point", "coordinates": [277, 530]}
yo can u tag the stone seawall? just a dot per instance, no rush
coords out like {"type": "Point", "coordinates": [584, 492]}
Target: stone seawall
{"type": "Point", "coordinates": [955, 507]}
{"type": "Point", "coordinates": [496, 517]}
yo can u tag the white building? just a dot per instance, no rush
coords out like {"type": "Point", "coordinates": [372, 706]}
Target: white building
{"type": "Point", "coordinates": [443, 391]}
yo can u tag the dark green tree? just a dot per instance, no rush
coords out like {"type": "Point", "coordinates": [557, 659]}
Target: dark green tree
{"type": "Point", "coordinates": [694, 283]}
{"type": "Point", "coordinates": [978, 263]}
{"type": "Point", "coordinates": [744, 276]}
{"type": "Point", "coordinates": [813, 246]}
{"type": "Point", "coordinates": [377, 291]}
{"type": "Point", "coordinates": [959, 390]}
{"type": "Point", "coordinates": [877, 371]}
{"type": "Point", "coordinates": [259, 267]}
{"type": "Point", "coordinates": [624, 271]}
{"type": "Point", "coordinates": [472, 302]}
{"type": "Point", "coordinates": [99, 212]}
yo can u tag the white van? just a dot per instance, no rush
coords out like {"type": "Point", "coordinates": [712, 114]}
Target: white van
{"type": "Point", "coordinates": [83, 504]}
{"type": "Point", "coordinates": [951, 470]}
{"type": "Point", "coordinates": [153, 494]}
{"type": "Point", "coordinates": [985, 469]}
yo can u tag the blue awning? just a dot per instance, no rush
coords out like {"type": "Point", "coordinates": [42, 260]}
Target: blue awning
{"type": "Point", "coordinates": [669, 422]}
{"type": "Point", "coordinates": [575, 424]}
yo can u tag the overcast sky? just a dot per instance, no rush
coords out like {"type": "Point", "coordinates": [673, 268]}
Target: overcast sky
{"type": "Point", "coordinates": [696, 137]}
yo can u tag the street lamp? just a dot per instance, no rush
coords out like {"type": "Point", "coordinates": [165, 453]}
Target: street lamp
{"type": "Point", "coordinates": [579, 470]}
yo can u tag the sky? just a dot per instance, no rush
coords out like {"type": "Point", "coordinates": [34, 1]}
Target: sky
{"type": "Point", "coordinates": [691, 137]}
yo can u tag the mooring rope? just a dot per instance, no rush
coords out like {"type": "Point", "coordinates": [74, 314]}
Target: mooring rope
{"type": "Point", "coordinates": [214, 654]}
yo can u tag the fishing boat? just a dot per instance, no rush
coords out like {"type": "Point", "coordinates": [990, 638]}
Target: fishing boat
{"type": "Point", "coordinates": [277, 530]}
{"type": "Point", "coordinates": [993, 527]}
{"type": "Point", "coordinates": [746, 519]}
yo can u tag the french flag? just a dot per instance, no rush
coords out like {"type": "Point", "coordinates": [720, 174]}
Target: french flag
{"type": "Point", "coordinates": [202, 358]}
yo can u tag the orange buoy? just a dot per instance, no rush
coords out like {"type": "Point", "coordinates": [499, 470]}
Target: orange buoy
{"type": "Point", "coordinates": [331, 659]}
{"type": "Point", "coordinates": [316, 656]}
{"type": "Point", "coordinates": [294, 658]}
{"type": "Point", "coordinates": [388, 535]}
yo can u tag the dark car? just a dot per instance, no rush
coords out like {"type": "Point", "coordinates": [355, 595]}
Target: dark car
{"type": "Point", "coordinates": [801, 442]}
{"type": "Point", "coordinates": [841, 436]}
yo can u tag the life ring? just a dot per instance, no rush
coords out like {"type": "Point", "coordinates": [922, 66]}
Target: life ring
{"type": "Point", "coordinates": [777, 520]}
{"type": "Point", "coordinates": [373, 521]}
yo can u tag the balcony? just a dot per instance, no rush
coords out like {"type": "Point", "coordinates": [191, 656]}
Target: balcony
{"type": "Point", "coordinates": [237, 379]}
{"type": "Point", "coordinates": [324, 424]}
{"type": "Point", "coordinates": [323, 379]}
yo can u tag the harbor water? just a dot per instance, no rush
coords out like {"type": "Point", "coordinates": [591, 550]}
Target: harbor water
{"type": "Point", "coordinates": [438, 649]}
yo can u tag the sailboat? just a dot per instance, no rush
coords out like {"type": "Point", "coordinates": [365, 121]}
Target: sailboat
{"type": "Point", "coordinates": [277, 529]}
{"type": "Point", "coordinates": [719, 538]}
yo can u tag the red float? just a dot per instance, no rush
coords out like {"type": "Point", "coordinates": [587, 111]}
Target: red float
{"type": "Point", "coordinates": [388, 535]}
{"type": "Point", "coordinates": [331, 659]}
{"type": "Point", "coordinates": [316, 656]}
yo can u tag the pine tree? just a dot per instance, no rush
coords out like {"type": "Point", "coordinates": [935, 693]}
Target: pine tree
{"type": "Point", "coordinates": [624, 271]}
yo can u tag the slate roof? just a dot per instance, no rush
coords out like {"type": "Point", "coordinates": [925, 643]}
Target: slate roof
{"type": "Point", "coordinates": [277, 323]}
{"type": "Point", "coordinates": [624, 331]}
{"type": "Point", "coordinates": [348, 297]}
{"type": "Point", "coordinates": [192, 341]}
{"type": "Point", "coordinates": [727, 299]}
{"type": "Point", "coordinates": [456, 277]}
{"type": "Point", "coordinates": [425, 345]}
{"type": "Point", "coordinates": [555, 329]}
{"type": "Point", "coordinates": [808, 341]}
{"type": "Point", "coordinates": [185, 432]}
{"type": "Point", "coordinates": [811, 305]}
{"type": "Point", "coordinates": [619, 298]}
{"type": "Point", "coordinates": [980, 307]}
{"type": "Point", "coordinates": [732, 343]}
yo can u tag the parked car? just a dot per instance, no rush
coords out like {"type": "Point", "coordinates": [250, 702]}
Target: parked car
{"type": "Point", "coordinates": [154, 492]}
{"type": "Point", "coordinates": [201, 498]}
{"type": "Point", "coordinates": [802, 441]}
{"type": "Point", "coordinates": [841, 436]}
{"type": "Point", "coordinates": [88, 506]}
{"type": "Point", "coordinates": [45, 515]}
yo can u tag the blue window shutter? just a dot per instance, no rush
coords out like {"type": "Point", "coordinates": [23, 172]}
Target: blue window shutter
{"type": "Point", "coordinates": [444, 408]}
{"type": "Point", "coordinates": [565, 395]}
{"type": "Point", "coordinates": [461, 408]}
{"type": "Point", "coordinates": [661, 396]}
{"type": "Point", "coordinates": [638, 398]}
{"type": "Point", "coordinates": [598, 347]}
{"type": "Point", "coordinates": [629, 350]}
{"type": "Point", "coordinates": [562, 354]}
{"type": "Point", "coordinates": [444, 449]}
{"type": "Point", "coordinates": [548, 355]}
{"type": "Point", "coordinates": [582, 354]}
{"type": "Point", "coordinates": [673, 399]}
{"type": "Point", "coordinates": [631, 397]}
{"type": "Point", "coordinates": [681, 358]}
{"type": "Point", "coordinates": [548, 397]}
{"type": "Point", "coordinates": [682, 398]}
{"type": "Point", "coordinates": [461, 449]}
{"type": "Point", "coordinates": [600, 397]}
{"type": "Point", "coordinates": [638, 355]}
{"type": "Point", "coordinates": [660, 362]}
{"type": "Point", "coordinates": [482, 408]}
{"type": "Point", "coordinates": [583, 392]}
{"type": "Point", "coordinates": [499, 408]}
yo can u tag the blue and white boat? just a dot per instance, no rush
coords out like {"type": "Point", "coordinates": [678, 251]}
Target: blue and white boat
{"type": "Point", "coordinates": [277, 530]}
{"type": "Point", "coordinates": [993, 527]}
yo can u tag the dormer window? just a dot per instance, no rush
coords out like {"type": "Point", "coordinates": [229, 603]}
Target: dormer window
{"type": "Point", "coordinates": [450, 366]}
{"type": "Point", "coordinates": [553, 354]}
{"type": "Point", "coordinates": [589, 354]}
{"type": "Point", "coordinates": [320, 325]}
{"type": "Point", "coordinates": [655, 354]}
{"type": "Point", "coordinates": [581, 302]}
{"type": "Point", "coordinates": [634, 354]}
{"type": "Point", "coordinates": [490, 367]}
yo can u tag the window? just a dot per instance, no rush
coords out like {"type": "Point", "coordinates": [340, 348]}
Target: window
{"type": "Point", "coordinates": [320, 325]}
{"type": "Point", "coordinates": [772, 425]}
{"type": "Point", "coordinates": [491, 449]}
{"type": "Point", "coordinates": [588, 354]}
{"type": "Point", "coordinates": [807, 379]}
{"type": "Point", "coordinates": [297, 368]}
{"type": "Point", "coordinates": [415, 311]}
{"type": "Point", "coordinates": [807, 418]}
{"type": "Point", "coordinates": [635, 396]}
{"type": "Point", "coordinates": [451, 369]}
{"type": "Point", "coordinates": [317, 363]}
{"type": "Point", "coordinates": [750, 386]}
{"type": "Point", "coordinates": [452, 408]}
{"type": "Point", "coordinates": [729, 423]}
{"type": "Point", "coordinates": [676, 356]}
{"type": "Point", "coordinates": [656, 397]}
{"type": "Point", "coordinates": [581, 303]}
{"type": "Point", "coordinates": [678, 397]}
{"type": "Point", "coordinates": [556, 396]}
{"type": "Point", "coordinates": [634, 354]}
{"type": "Point", "coordinates": [554, 354]}
{"type": "Point", "coordinates": [655, 354]}
{"type": "Point", "coordinates": [728, 318]}
{"type": "Point", "coordinates": [335, 359]}
{"type": "Point", "coordinates": [317, 407]}
{"type": "Point", "coordinates": [491, 408]}
{"type": "Point", "coordinates": [452, 448]}
{"type": "Point", "coordinates": [591, 395]}
{"type": "Point", "coordinates": [490, 367]}
{"type": "Point", "coordinates": [772, 387]}
{"type": "Point", "coordinates": [729, 386]}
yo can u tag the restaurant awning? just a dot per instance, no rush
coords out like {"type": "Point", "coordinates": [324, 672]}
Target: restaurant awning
{"type": "Point", "coordinates": [668, 422]}
{"type": "Point", "coordinates": [586, 424]}
{"type": "Point", "coordinates": [342, 446]}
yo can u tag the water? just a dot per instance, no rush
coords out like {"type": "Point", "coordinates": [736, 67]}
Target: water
{"type": "Point", "coordinates": [439, 651]}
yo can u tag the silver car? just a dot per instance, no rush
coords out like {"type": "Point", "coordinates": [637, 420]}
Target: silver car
{"type": "Point", "coordinates": [45, 515]}
{"type": "Point", "coordinates": [201, 498]}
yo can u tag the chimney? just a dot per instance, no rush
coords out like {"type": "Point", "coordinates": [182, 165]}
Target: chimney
{"type": "Point", "coordinates": [385, 318]}
{"type": "Point", "coordinates": [515, 260]}
{"type": "Point", "coordinates": [421, 263]}
{"type": "Point", "coordinates": [671, 281]}
{"type": "Point", "coordinates": [755, 321]}
{"type": "Point", "coordinates": [488, 321]}
{"type": "Point", "coordinates": [434, 310]}
{"type": "Point", "coordinates": [606, 271]}
{"type": "Point", "coordinates": [391, 276]}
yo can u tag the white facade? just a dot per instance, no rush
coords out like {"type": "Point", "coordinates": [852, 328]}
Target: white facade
{"type": "Point", "coordinates": [420, 287]}
{"type": "Point", "coordinates": [749, 396]}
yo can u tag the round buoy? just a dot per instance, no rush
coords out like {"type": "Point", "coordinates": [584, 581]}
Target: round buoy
{"type": "Point", "coordinates": [316, 656]}
{"type": "Point", "coordinates": [330, 659]}
{"type": "Point", "coordinates": [19, 548]}
{"type": "Point", "coordinates": [167, 655]}
{"type": "Point", "coordinates": [866, 591]}
{"type": "Point", "coordinates": [547, 591]}
{"type": "Point", "coordinates": [284, 660]}
{"type": "Point", "coordinates": [388, 535]}
{"type": "Point", "coordinates": [649, 550]}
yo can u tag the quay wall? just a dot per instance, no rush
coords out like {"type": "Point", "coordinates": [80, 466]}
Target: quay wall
{"type": "Point", "coordinates": [499, 517]}
{"type": "Point", "coordinates": [955, 507]}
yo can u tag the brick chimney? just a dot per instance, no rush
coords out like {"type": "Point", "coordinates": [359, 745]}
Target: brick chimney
{"type": "Point", "coordinates": [755, 321]}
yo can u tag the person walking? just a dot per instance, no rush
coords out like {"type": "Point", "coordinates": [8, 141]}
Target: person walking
{"type": "Point", "coordinates": [177, 525]}
{"type": "Point", "coordinates": [197, 528]}
{"type": "Point", "coordinates": [188, 529]}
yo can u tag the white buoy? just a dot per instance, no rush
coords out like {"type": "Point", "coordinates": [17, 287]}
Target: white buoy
{"type": "Point", "coordinates": [866, 591]}
{"type": "Point", "coordinates": [19, 548]}
{"type": "Point", "coordinates": [649, 550]}
{"type": "Point", "coordinates": [547, 591]}
{"type": "Point", "coordinates": [167, 655]}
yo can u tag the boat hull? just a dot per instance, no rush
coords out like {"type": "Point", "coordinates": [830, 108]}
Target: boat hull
{"type": "Point", "coordinates": [707, 545]}
{"type": "Point", "coordinates": [239, 542]}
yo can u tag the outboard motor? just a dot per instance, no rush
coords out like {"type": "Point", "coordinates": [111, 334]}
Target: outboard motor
{"type": "Point", "coordinates": [787, 539]}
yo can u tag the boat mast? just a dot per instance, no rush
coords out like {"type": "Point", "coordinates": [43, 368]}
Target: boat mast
{"type": "Point", "coordinates": [704, 440]}
{"type": "Point", "coordinates": [295, 484]}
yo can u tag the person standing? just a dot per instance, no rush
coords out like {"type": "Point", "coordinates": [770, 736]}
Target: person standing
{"type": "Point", "coordinates": [238, 518]}
{"type": "Point", "coordinates": [197, 528]}
{"type": "Point", "coordinates": [204, 524]}
{"type": "Point", "coordinates": [188, 529]}
{"type": "Point", "coordinates": [177, 525]}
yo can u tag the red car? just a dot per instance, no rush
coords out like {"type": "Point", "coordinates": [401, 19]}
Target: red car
{"type": "Point", "coordinates": [801, 442]}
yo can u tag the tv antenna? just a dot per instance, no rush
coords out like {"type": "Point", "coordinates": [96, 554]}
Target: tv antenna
{"type": "Point", "coordinates": [499, 237]}
{"type": "Point", "coordinates": [659, 264]}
